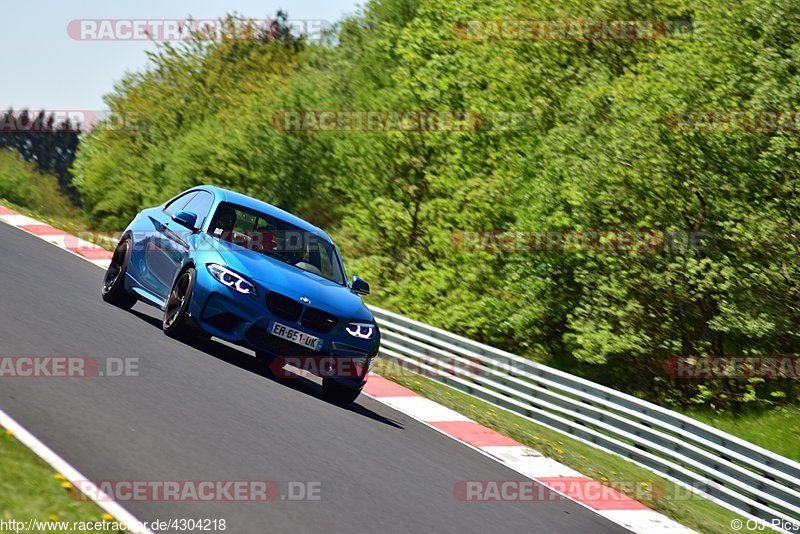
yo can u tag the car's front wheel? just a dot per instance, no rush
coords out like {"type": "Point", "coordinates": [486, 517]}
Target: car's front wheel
{"type": "Point", "coordinates": [175, 324]}
{"type": "Point", "coordinates": [114, 291]}
{"type": "Point", "coordinates": [337, 393]}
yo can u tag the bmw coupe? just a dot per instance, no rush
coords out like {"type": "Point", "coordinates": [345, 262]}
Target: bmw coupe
{"type": "Point", "coordinates": [222, 264]}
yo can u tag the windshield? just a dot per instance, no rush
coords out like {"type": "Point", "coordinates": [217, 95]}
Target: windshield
{"type": "Point", "coordinates": [277, 238]}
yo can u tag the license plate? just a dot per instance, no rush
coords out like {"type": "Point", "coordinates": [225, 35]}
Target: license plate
{"type": "Point", "coordinates": [295, 336]}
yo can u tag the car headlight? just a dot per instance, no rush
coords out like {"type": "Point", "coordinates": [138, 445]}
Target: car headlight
{"type": "Point", "coordinates": [231, 279]}
{"type": "Point", "coordinates": [361, 330]}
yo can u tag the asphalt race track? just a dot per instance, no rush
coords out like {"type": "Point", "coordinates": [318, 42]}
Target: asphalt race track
{"type": "Point", "coordinates": [207, 412]}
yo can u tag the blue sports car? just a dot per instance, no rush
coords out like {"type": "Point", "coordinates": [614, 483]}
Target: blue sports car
{"type": "Point", "coordinates": [219, 263]}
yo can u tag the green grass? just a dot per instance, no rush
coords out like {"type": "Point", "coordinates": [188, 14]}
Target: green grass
{"type": "Point", "coordinates": [30, 489]}
{"type": "Point", "coordinates": [690, 510]}
{"type": "Point", "coordinates": [776, 430]}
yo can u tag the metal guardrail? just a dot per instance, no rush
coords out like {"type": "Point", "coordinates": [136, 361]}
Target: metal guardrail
{"type": "Point", "coordinates": [734, 473]}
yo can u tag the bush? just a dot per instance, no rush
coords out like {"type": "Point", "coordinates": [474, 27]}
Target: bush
{"type": "Point", "coordinates": [17, 181]}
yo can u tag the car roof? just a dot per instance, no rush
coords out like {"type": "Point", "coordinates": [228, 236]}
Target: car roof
{"type": "Point", "coordinates": [226, 195]}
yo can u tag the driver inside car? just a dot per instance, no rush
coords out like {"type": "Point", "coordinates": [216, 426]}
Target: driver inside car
{"type": "Point", "coordinates": [224, 227]}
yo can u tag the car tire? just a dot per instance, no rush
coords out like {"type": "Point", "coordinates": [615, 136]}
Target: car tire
{"type": "Point", "coordinates": [113, 290]}
{"type": "Point", "coordinates": [174, 323]}
{"type": "Point", "coordinates": [338, 394]}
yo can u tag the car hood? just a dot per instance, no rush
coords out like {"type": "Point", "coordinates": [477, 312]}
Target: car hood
{"type": "Point", "coordinates": [276, 275]}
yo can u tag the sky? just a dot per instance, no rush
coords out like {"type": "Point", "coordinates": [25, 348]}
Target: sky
{"type": "Point", "coordinates": [45, 68]}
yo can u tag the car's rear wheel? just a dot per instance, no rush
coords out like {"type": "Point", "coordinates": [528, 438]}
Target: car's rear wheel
{"type": "Point", "coordinates": [337, 393]}
{"type": "Point", "coordinates": [175, 324]}
{"type": "Point", "coordinates": [113, 290]}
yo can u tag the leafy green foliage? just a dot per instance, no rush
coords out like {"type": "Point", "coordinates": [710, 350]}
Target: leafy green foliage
{"type": "Point", "coordinates": [16, 181]}
{"type": "Point", "coordinates": [595, 153]}
{"type": "Point", "coordinates": [43, 140]}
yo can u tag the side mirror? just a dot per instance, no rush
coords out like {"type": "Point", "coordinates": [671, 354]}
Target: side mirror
{"type": "Point", "coordinates": [186, 218]}
{"type": "Point", "coordinates": [359, 286]}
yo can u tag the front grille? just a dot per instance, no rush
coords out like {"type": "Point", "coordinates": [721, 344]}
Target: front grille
{"type": "Point", "coordinates": [278, 346]}
{"type": "Point", "coordinates": [318, 320]}
{"type": "Point", "coordinates": [284, 307]}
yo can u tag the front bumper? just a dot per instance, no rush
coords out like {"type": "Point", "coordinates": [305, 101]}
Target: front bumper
{"type": "Point", "coordinates": [245, 320]}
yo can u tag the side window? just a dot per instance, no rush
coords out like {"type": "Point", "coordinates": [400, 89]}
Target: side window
{"type": "Point", "coordinates": [177, 205]}
{"type": "Point", "coordinates": [199, 204]}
